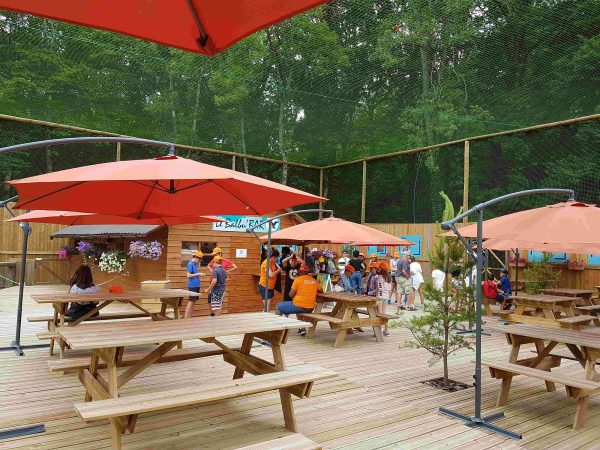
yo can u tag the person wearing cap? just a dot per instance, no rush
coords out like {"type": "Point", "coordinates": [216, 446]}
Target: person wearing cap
{"type": "Point", "coordinates": [225, 263]}
{"type": "Point", "coordinates": [506, 289]}
{"type": "Point", "coordinates": [373, 258]}
{"type": "Point", "coordinates": [372, 279]}
{"type": "Point", "coordinates": [403, 281]}
{"type": "Point", "coordinates": [193, 281]}
{"type": "Point", "coordinates": [310, 259]}
{"type": "Point", "coordinates": [392, 273]}
{"type": "Point", "coordinates": [344, 280]}
{"type": "Point", "coordinates": [356, 280]}
{"type": "Point", "coordinates": [304, 296]}
{"type": "Point", "coordinates": [216, 290]}
{"type": "Point", "coordinates": [267, 290]}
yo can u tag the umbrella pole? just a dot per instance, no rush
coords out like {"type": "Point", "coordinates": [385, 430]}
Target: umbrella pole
{"type": "Point", "coordinates": [517, 271]}
{"type": "Point", "coordinates": [266, 291]}
{"type": "Point", "coordinates": [16, 344]}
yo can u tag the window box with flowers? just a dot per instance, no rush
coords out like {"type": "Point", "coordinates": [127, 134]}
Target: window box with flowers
{"type": "Point", "coordinates": [512, 261]}
{"type": "Point", "coordinates": [576, 264]}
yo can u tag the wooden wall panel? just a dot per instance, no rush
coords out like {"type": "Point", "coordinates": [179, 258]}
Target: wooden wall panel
{"type": "Point", "coordinates": [242, 286]}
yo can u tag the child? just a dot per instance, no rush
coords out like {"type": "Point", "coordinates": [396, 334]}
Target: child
{"type": "Point", "coordinates": [384, 287]}
{"type": "Point", "coordinates": [506, 290]}
{"type": "Point", "coordinates": [372, 279]}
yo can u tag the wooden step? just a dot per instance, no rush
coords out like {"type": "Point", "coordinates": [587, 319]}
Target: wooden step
{"type": "Point", "coordinates": [310, 317]}
{"type": "Point", "coordinates": [381, 316]}
{"type": "Point", "coordinates": [191, 396]}
{"type": "Point", "coordinates": [47, 335]}
{"type": "Point", "coordinates": [294, 441]}
{"type": "Point", "coordinates": [518, 369]}
{"type": "Point", "coordinates": [589, 309]}
{"type": "Point", "coordinates": [576, 319]}
{"type": "Point", "coordinates": [101, 316]}
{"type": "Point", "coordinates": [74, 364]}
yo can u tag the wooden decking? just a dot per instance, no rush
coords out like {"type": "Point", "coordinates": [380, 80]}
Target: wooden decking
{"type": "Point", "coordinates": [377, 402]}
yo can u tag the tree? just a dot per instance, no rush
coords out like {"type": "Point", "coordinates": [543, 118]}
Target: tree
{"type": "Point", "coordinates": [435, 331]}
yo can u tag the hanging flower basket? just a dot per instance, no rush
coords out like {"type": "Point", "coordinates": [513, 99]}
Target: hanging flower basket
{"type": "Point", "coordinates": [113, 261]}
{"type": "Point", "coordinates": [512, 262]}
{"type": "Point", "coordinates": [576, 264]}
{"type": "Point", "coordinates": [147, 250]}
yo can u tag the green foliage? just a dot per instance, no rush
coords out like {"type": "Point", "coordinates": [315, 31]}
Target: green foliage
{"type": "Point", "coordinates": [541, 275]}
{"type": "Point", "coordinates": [444, 310]}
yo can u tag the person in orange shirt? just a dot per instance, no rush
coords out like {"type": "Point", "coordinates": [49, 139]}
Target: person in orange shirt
{"type": "Point", "coordinates": [303, 294]}
{"type": "Point", "coordinates": [274, 272]}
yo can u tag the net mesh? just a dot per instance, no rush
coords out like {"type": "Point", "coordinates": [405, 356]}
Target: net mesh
{"type": "Point", "coordinates": [350, 79]}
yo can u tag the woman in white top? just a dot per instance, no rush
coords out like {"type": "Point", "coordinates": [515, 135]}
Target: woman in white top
{"type": "Point", "coordinates": [438, 277]}
{"type": "Point", "coordinates": [393, 269]}
{"type": "Point", "coordinates": [384, 289]}
{"type": "Point", "coordinates": [416, 276]}
{"type": "Point", "coordinates": [82, 283]}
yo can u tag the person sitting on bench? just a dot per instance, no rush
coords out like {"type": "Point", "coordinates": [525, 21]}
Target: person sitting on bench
{"type": "Point", "coordinates": [82, 283]}
{"type": "Point", "coordinates": [303, 294]}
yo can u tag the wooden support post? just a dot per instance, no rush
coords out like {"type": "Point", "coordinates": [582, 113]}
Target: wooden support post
{"type": "Point", "coordinates": [320, 192]}
{"type": "Point", "coordinates": [363, 202]}
{"type": "Point", "coordinates": [118, 158]}
{"type": "Point", "coordinates": [233, 162]}
{"type": "Point", "coordinates": [466, 170]}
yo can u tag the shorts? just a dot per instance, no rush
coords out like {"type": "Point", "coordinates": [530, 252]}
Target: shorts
{"type": "Point", "coordinates": [216, 300]}
{"type": "Point", "coordinates": [404, 285]}
{"type": "Point", "coordinates": [393, 278]}
{"type": "Point", "coordinates": [417, 281]}
{"type": "Point", "coordinates": [194, 298]}
{"type": "Point", "coordinates": [262, 290]}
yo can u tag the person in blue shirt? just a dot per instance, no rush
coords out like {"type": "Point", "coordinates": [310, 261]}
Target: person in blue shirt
{"type": "Point", "coordinates": [193, 277]}
{"type": "Point", "coordinates": [506, 291]}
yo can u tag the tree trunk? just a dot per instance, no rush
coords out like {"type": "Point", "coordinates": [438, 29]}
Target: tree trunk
{"type": "Point", "coordinates": [243, 142]}
{"type": "Point", "coordinates": [445, 355]}
{"type": "Point", "coordinates": [284, 166]}
{"type": "Point", "coordinates": [172, 99]}
{"type": "Point", "coordinates": [426, 82]}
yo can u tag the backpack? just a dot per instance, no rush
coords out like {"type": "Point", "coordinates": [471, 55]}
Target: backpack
{"type": "Point", "coordinates": [490, 290]}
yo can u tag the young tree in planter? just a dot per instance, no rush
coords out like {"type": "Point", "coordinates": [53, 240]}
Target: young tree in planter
{"type": "Point", "coordinates": [435, 331]}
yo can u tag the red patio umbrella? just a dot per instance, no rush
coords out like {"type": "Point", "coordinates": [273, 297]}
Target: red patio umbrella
{"type": "Point", "coordinates": [81, 218]}
{"type": "Point", "coordinates": [199, 26]}
{"type": "Point", "coordinates": [168, 186]}
{"type": "Point", "coordinates": [511, 244]}
{"type": "Point", "coordinates": [332, 230]}
{"type": "Point", "coordinates": [568, 224]}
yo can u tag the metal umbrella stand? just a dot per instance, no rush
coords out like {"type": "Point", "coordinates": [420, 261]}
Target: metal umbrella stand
{"type": "Point", "coordinates": [270, 222]}
{"type": "Point", "coordinates": [477, 421]}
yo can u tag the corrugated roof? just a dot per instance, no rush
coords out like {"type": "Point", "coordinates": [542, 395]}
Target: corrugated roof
{"type": "Point", "coordinates": [105, 230]}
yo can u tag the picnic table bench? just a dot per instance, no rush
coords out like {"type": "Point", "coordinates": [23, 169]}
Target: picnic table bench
{"type": "Point", "coordinates": [584, 346]}
{"type": "Point", "coordinates": [583, 297]}
{"type": "Point", "coordinates": [104, 398]}
{"type": "Point", "coordinates": [60, 303]}
{"type": "Point", "coordinates": [345, 315]}
{"type": "Point", "coordinates": [549, 310]}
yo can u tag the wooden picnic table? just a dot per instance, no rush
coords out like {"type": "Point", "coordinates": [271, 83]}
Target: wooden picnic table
{"type": "Point", "coordinates": [345, 314]}
{"type": "Point", "coordinates": [584, 294]}
{"type": "Point", "coordinates": [584, 346]}
{"type": "Point", "coordinates": [108, 341]}
{"type": "Point", "coordinates": [60, 303]}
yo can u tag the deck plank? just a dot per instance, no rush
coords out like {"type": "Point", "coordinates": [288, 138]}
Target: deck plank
{"type": "Point", "coordinates": [378, 401]}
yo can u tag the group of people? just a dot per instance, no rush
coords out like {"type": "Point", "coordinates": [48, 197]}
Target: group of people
{"type": "Point", "coordinates": [398, 281]}
{"type": "Point", "coordinates": [219, 267]}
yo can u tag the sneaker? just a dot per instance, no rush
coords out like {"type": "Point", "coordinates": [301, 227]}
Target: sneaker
{"type": "Point", "coordinates": [401, 307]}
{"type": "Point", "coordinates": [411, 308]}
{"type": "Point", "coordinates": [359, 329]}
{"type": "Point", "coordinates": [389, 302]}
{"type": "Point", "coordinates": [386, 333]}
{"type": "Point", "coordinates": [302, 331]}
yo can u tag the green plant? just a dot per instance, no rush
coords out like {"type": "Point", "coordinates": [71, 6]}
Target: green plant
{"type": "Point", "coordinates": [541, 275]}
{"type": "Point", "coordinates": [435, 331]}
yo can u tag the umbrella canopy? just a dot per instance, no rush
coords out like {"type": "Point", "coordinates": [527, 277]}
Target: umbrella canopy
{"type": "Point", "coordinates": [511, 244]}
{"type": "Point", "coordinates": [81, 218]}
{"type": "Point", "coordinates": [206, 27]}
{"type": "Point", "coordinates": [334, 231]}
{"type": "Point", "coordinates": [168, 186]}
{"type": "Point", "coordinates": [571, 223]}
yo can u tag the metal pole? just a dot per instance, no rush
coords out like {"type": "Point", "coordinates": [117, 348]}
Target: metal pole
{"type": "Point", "coordinates": [477, 421]}
{"type": "Point", "coordinates": [16, 345]}
{"type": "Point", "coordinates": [479, 265]}
{"type": "Point", "coordinates": [87, 140]}
{"type": "Point", "coordinates": [268, 261]}
{"type": "Point", "coordinates": [517, 272]}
